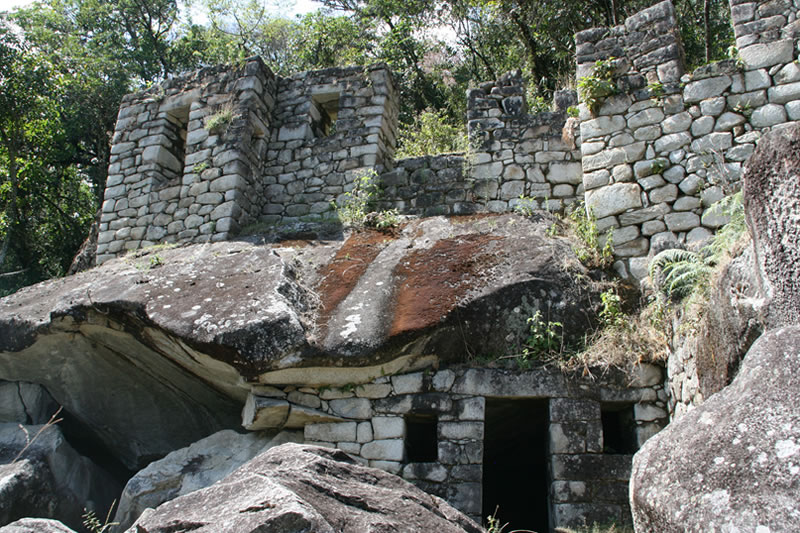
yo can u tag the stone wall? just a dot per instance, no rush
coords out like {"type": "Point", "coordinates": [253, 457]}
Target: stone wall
{"type": "Point", "coordinates": [173, 179]}
{"type": "Point", "coordinates": [516, 153]}
{"type": "Point", "coordinates": [650, 160]}
{"type": "Point", "coordinates": [660, 152]}
{"type": "Point", "coordinates": [329, 125]}
{"type": "Point", "coordinates": [587, 481]}
{"type": "Point", "coordinates": [514, 157]}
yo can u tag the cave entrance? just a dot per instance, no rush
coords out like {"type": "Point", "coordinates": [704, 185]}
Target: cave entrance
{"type": "Point", "coordinates": [515, 463]}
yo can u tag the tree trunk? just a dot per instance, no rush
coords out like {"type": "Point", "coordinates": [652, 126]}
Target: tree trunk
{"type": "Point", "coordinates": [706, 23]}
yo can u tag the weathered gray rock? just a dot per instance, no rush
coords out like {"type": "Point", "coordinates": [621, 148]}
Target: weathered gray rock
{"type": "Point", "coordinates": [192, 468]}
{"type": "Point", "coordinates": [35, 525]}
{"type": "Point", "coordinates": [49, 479]}
{"type": "Point", "coordinates": [25, 403]}
{"type": "Point", "coordinates": [295, 488]}
{"type": "Point", "coordinates": [772, 206]}
{"type": "Point", "coordinates": [192, 325]}
{"type": "Point", "coordinates": [731, 463]}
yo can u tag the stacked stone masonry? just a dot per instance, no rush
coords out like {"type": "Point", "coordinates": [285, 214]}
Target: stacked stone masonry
{"type": "Point", "coordinates": [658, 154]}
{"type": "Point", "coordinates": [650, 161]}
{"type": "Point", "coordinates": [290, 148]}
{"type": "Point", "coordinates": [370, 422]}
{"type": "Point", "coordinates": [171, 178]}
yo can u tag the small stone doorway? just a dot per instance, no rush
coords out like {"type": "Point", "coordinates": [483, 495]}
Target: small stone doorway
{"type": "Point", "coordinates": [515, 463]}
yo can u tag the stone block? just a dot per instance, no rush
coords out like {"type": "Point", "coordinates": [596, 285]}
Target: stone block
{"type": "Point", "coordinates": [407, 383]}
{"type": "Point", "coordinates": [461, 430]}
{"type": "Point", "coordinates": [587, 467]}
{"type": "Point", "coordinates": [601, 126]}
{"type": "Point", "coordinates": [646, 412]}
{"type": "Point", "coordinates": [713, 142]}
{"type": "Point", "coordinates": [762, 55]}
{"type": "Point", "coordinates": [787, 74]}
{"type": "Point", "coordinates": [364, 432]}
{"type": "Point", "coordinates": [707, 88]}
{"type": "Point", "coordinates": [671, 142]}
{"type": "Point", "coordinates": [667, 193]}
{"type": "Point", "coordinates": [599, 178]}
{"type": "Point", "coordinates": [614, 199]}
{"type": "Point", "coordinates": [373, 390]}
{"type": "Point", "coordinates": [388, 427]}
{"type": "Point", "coordinates": [681, 221]}
{"type": "Point", "coordinates": [337, 432]}
{"type": "Point", "coordinates": [677, 123]}
{"type": "Point", "coordinates": [634, 248]}
{"type": "Point", "coordinates": [703, 126]}
{"type": "Point", "coordinates": [162, 157]}
{"type": "Point", "coordinates": [653, 115]}
{"type": "Point", "coordinates": [782, 94]}
{"type": "Point", "coordinates": [426, 471]}
{"type": "Point", "coordinates": [768, 115]}
{"type": "Point", "coordinates": [351, 407]}
{"type": "Point", "coordinates": [383, 450]}
{"type": "Point", "coordinates": [568, 172]}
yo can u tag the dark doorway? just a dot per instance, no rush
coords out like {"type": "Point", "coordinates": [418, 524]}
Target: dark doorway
{"type": "Point", "coordinates": [515, 471]}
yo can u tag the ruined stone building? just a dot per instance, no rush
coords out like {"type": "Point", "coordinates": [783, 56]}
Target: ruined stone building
{"type": "Point", "coordinates": [201, 156]}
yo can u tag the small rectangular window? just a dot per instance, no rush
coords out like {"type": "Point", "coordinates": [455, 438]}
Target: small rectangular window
{"type": "Point", "coordinates": [619, 428]}
{"type": "Point", "coordinates": [422, 444]}
{"type": "Point", "coordinates": [324, 110]}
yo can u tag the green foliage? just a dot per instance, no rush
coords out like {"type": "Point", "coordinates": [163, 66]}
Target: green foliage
{"type": "Point", "coordinates": [611, 314]}
{"type": "Point", "coordinates": [526, 206]}
{"type": "Point", "coordinates": [93, 524]}
{"type": "Point", "coordinates": [46, 203]}
{"type": "Point", "coordinates": [383, 219]}
{"type": "Point", "coordinates": [573, 111]}
{"type": "Point", "coordinates": [591, 250]}
{"type": "Point", "coordinates": [679, 273]}
{"type": "Point", "coordinates": [656, 90]}
{"type": "Point", "coordinates": [220, 120]}
{"type": "Point", "coordinates": [200, 167]}
{"type": "Point", "coordinates": [545, 338]}
{"type": "Point", "coordinates": [355, 206]}
{"type": "Point", "coordinates": [431, 133]}
{"type": "Point", "coordinates": [595, 88]}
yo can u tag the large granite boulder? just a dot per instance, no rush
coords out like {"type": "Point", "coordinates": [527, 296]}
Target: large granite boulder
{"type": "Point", "coordinates": [158, 349]}
{"type": "Point", "coordinates": [36, 525]}
{"type": "Point", "coordinates": [43, 476]}
{"type": "Point", "coordinates": [771, 185]}
{"type": "Point", "coordinates": [733, 463]}
{"type": "Point", "coordinates": [25, 403]}
{"type": "Point", "coordinates": [296, 488]}
{"type": "Point", "coordinates": [192, 468]}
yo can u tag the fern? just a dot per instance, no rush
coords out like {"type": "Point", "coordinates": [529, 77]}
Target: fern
{"type": "Point", "coordinates": [677, 272]}
{"type": "Point", "coordinates": [733, 207]}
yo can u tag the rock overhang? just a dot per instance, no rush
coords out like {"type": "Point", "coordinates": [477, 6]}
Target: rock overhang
{"type": "Point", "coordinates": [185, 334]}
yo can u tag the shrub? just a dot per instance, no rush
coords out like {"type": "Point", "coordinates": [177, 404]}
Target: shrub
{"type": "Point", "coordinates": [430, 134]}
{"type": "Point", "coordinates": [591, 251]}
{"type": "Point", "coordinates": [357, 207]}
{"type": "Point", "coordinates": [599, 85]}
{"type": "Point", "coordinates": [220, 120]}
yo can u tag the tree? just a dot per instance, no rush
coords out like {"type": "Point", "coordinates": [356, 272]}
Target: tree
{"type": "Point", "coordinates": [45, 206]}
